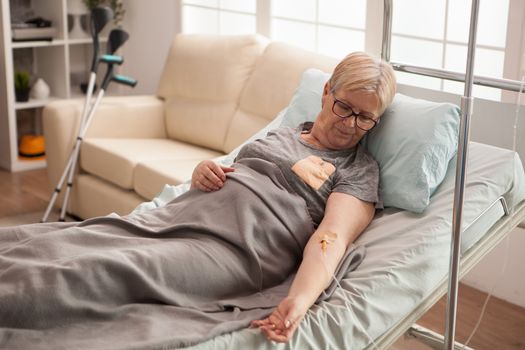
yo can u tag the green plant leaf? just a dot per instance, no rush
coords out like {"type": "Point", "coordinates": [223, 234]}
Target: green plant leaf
{"type": "Point", "coordinates": [22, 80]}
{"type": "Point", "coordinates": [116, 5]}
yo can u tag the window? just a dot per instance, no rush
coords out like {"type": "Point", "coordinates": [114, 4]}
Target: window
{"type": "Point", "coordinates": [434, 33]}
{"type": "Point", "coordinates": [331, 27]}
{"type": "Point", "coordinates": [430, 33]}
{"type": "Point", "coordinates": [218, 16]}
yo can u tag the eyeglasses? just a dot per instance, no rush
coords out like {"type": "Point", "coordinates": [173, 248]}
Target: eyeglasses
{"type": "Point", "coordinates": [345, 111]}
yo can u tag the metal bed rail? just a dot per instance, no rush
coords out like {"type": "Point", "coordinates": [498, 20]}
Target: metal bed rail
{"type": "Point", "coordinates": [505, 84]}
{"type": "Point", "coordinates": [463, 140]}
{"type": "Point", "coordinates": [436, 340]}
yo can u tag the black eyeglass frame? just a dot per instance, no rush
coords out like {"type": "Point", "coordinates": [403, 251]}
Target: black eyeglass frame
{"type": "Point", "coordinates": [353, 114]}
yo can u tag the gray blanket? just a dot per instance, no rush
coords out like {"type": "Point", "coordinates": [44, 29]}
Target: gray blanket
{"type": "Point", "coordinates": [205, 264]}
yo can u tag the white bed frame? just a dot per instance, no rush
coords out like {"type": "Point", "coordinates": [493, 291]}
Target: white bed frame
{"type": "Point", "coordinates": [504, 226]}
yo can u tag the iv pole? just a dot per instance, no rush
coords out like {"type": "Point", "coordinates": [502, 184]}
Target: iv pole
{"type": "Point", "coordinates": [463, 140]}
{"type": "Point", "coordinates": [461, 165]}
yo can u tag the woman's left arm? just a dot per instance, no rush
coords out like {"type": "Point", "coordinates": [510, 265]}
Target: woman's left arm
{"type": "Point", "coordinates": [344, 220]}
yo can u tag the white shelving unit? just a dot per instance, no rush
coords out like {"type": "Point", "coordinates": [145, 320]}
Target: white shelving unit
{"type": "Point", "coordinates": [54, 61]}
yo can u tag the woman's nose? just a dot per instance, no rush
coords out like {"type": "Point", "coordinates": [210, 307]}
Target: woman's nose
{"type": "Point", "coordinates": [350, 121]}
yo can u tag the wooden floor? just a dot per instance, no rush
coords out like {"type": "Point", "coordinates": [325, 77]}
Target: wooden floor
{"type": "Point", "coordinates": [503, 326]}
{"type": "Point", "coordinates": [23, 192]}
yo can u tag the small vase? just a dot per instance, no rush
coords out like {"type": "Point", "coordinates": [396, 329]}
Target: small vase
{"type": "Point", "coordinates": [22, 95]}
{"type": "Point", "coordinates": [76, 9]}
{"type": "Point", "coordinates": [40, 90]}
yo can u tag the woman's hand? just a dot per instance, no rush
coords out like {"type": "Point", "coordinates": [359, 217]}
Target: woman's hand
{"type": "Point", "coordinates": [209, 176]}
{"type": "Point", "coordinates": [284, 319]}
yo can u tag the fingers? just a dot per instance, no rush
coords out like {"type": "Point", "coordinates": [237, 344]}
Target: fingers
{"type": "Point", "coordinates": [227, 169]}
{"type": "Point", "coordinates": [271, 321]}
{"type": "Point", "coordinates": [276, 334]}
{"type": "Point", "coordinates": [258, 323]}
{"type": "Point", "coordinates": [209, 176]}
{"type": "Point", "coordinates": [274, 327]}
{"type": "Point", "coordinates": [213, 176]}
{"type": "Point", "coordinates": [291, 318]}
{"type": "Point", "coordinates": [282, 323]}
{"type": "Point", "coordinates": [200, 182]}
{"type": "Point", "coordinates": [265, 322]}
{"type": "Point", "coordinates": [271, 330]}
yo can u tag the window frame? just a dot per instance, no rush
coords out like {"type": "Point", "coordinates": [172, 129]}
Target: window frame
{"type": "Point", "coordinates": [513, 51]}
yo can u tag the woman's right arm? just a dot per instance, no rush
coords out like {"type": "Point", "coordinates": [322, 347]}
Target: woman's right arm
{"type": "Point", "coordinates": [345, 218]}
{"type": "Point", "coordinates": [209, 176]}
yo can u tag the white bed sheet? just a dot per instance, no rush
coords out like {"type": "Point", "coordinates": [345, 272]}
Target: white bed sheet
{"type": "Point", "coordinates": [407, 257]}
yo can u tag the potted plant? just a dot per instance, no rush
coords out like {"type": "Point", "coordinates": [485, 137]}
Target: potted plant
{"type": "Point", "coordinates": [22, 86]}
{"type": "Point", "coordinates": [116, 5]}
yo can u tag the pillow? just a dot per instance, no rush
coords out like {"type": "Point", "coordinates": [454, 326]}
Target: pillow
{"type": "Point", "coordinates": [412, 144]}
{"type": "Point", "coordinates": [306, 102]}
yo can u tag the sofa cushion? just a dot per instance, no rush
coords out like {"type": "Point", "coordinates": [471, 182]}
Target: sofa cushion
{"type": "Point", "coordinates": [270, 88]}
{"type": "Point", "coordinates": [199, 122]}
{"type": "Point", "coordinates": [93, 197]}
{"type": "Point", "coordinates": [128, 116]}
{"type": "Point", "coordinates": [202, 82]}
{"type": "Point", "coordinates": [151, 176]}
{"type": "Point", "coordinates": [114, 159]}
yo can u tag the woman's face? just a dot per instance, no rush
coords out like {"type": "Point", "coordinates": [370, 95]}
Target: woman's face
{"type": "Point", "coordinates": [337, 133]}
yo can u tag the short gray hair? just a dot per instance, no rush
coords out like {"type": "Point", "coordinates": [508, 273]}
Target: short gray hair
{"type": "Point", "coordinates": [361, 72]}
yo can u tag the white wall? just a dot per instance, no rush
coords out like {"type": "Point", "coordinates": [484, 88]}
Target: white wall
{"type": "Point", "coordinates": [487, 275]}
{"type": "Point", "coordinates": [152, 25]}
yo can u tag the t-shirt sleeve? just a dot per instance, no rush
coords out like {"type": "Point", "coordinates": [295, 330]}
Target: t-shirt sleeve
{"type": "Point", "coordinates": [360, 180]}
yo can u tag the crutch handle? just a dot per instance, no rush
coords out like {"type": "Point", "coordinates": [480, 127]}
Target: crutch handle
{"type": "Point", "coordinates": [125, 80]}
{"type": "Point", "coordinates": [111, 59]}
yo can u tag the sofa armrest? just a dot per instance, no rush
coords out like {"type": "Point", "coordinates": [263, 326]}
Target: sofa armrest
{"type": "Point", "coordinates": [123, 116]}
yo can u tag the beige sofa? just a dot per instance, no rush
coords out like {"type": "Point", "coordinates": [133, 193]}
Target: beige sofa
{"type": "Point", "coordinates": [215, 92]}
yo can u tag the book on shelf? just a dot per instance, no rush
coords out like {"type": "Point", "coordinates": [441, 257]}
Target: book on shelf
{"type": "Point", "coordinates": [30, 34]}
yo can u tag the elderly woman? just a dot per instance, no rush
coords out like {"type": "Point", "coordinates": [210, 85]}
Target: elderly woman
{"type": "Point", "coordinates": [216, 257]}
{"type": "Point", "coordinates": [325, 164]}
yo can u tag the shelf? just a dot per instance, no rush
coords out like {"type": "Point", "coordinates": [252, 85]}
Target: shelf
{"type": "Point", "coordinates": [36, 43]}
{"type": "Point", "coordinates": [55, 61]}
{"type": "Point", "coordinates": [32, 103]}
{"type": "Point", "coordinates": [87, 40]}
{"type": "Point", "coordinates": [23, 164]}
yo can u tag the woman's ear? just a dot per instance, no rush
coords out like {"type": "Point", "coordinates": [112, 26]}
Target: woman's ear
{"type": "Point", "coordinates": [326, 91]}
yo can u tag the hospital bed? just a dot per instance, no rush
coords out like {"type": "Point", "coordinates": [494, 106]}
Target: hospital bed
{"type": "Point", "coordinates": [412, 259]}
{"type": "Point", "coordinates": [406, 267]}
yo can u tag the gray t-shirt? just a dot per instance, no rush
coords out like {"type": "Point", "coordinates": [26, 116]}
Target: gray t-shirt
{"type": "Point", "coordinates": [314, 173]}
